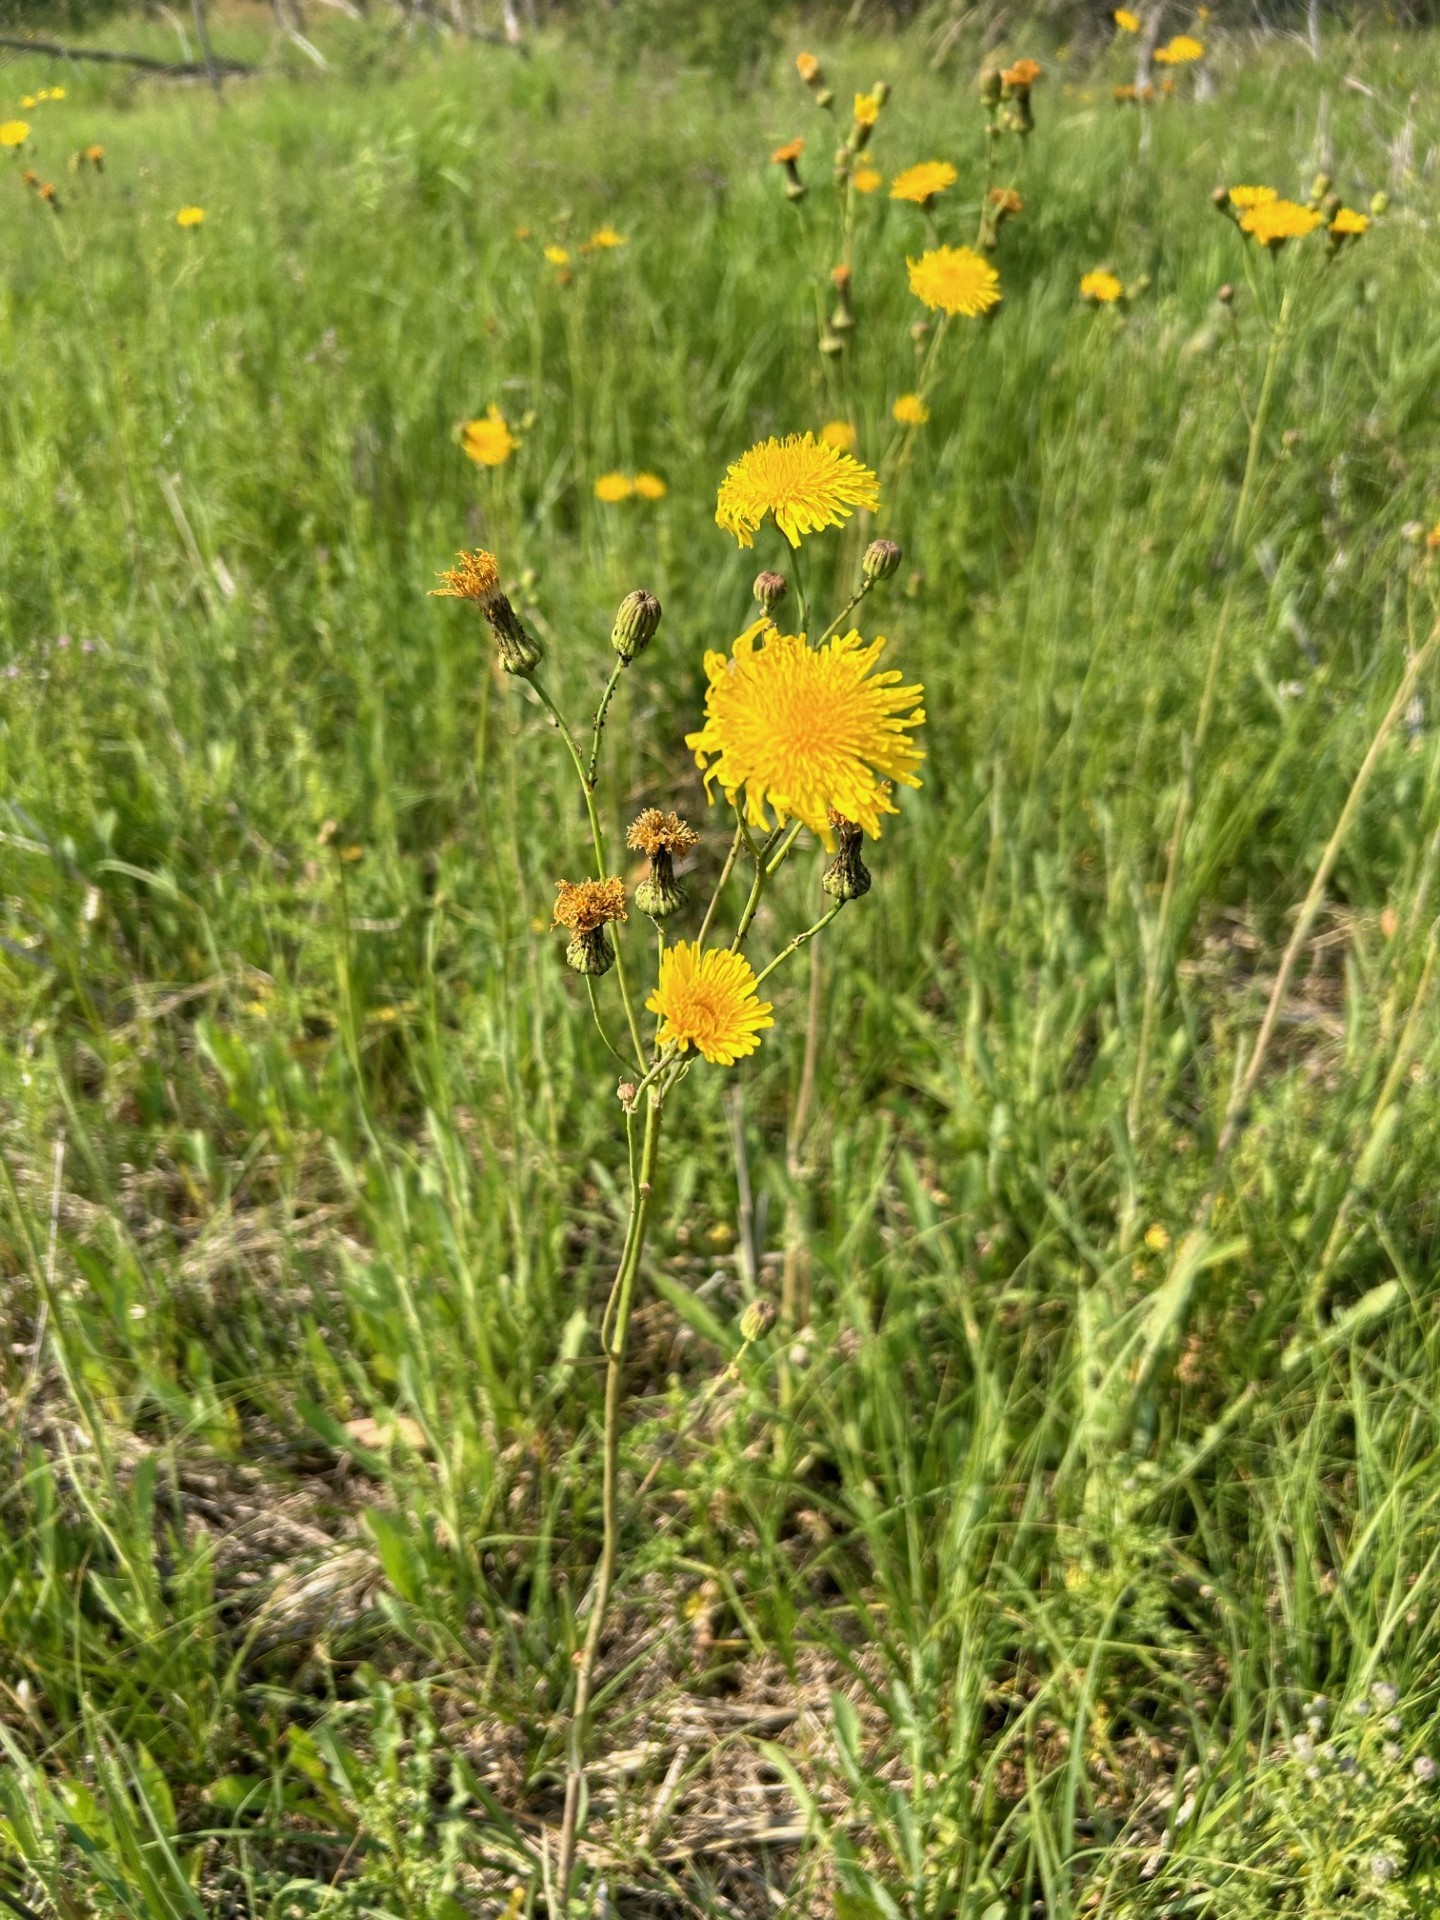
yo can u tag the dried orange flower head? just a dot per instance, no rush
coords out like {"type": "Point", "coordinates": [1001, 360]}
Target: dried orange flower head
{"type": "Point", "coordinates": [808, 68]}
{"type": "Point", "coordinates": [587, 905]}
{"type": "Point", "coordinates": [655, 832]}
{"type": "Point", "coordinates": [1006, 201]}
{"type": "Point", "coordinates": [787, 155]}
{"type": "Point", "coordinates": [1023, 74]}
{"type": "Point", "coordinates": [475, 577]}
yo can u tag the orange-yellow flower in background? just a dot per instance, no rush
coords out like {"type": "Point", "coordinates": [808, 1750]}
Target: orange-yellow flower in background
{"type": "Point", "coordinates": [1126, 21]}
{"type": "Point", "coordinates": [606, 237]}
{"type": "Point", "coordinates": [649, 486]}
{"type": "Point", "coordinates": [1247, 197]}
{"type": "Point", "coordinates": [1101, 286]}
{"type": "Point", "coordinates": [1349, 224]}
{"type": "Point", "coordinates": [1123, 95]}
{"type": "Point", "coordinates": [523, 233]}
{"type": "Point", "coordinates": [921, 183]}
{"type": "Point", "coordinates": [865, 179]}
{"type": "Point", "coordinates": [190, 217]}
{"type": "Point", "coordinates": [709, 1000]}
{"type": "Point", "coordinates": [53, 93]}
{"type": "Point", "coordinates": [867, 109]}
{"type": "Point", "coordinates": [29, 102]}
{"type": "Point", "coordinates": [613, 488]}
{"type": "Point", "coordinates": [1182, 49]}
{"type": "Point", "coordinates": [804, 483]}
{"type": "Point", "coordinates": [787, 155]}
{"type": "Point", "coordinates": [805, 730]}
{"type": "Point", "coordinates": [1023, 74]}
{"type": "Point", "coordinates": [910, 410]}
{"type": "Point", "coordinates": [1277, 221]}
{"type": "Point", "coordinates": [1005, 201]}
{"type": "Point", "coordinates": [489, 442]}
{"type": "Point", "coordinates": [956, 280]}
{"type": "Point", "coordinates": [558, 256]}
{"type": "Point", "coordinates": [808, 68]}
{"type": "Point", "coordinates": [840, 435]}
{"type": "Point", "coordinates": [14, 133]}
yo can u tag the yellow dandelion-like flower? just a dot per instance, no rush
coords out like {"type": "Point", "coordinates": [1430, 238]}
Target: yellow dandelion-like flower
{"type": "Point", "coordinates": [30, 101]}
{"type": "Point", "coordinates": [910, 410]}
{"type": "Point", "coordinates": [476, 577]}
{"type": "Point", "coordinates": [558, 256]}
{"type": "Point", "coordinates": [807, 729]}
{"type": "Point", "coordinates": [606, 237]}
{"type": "Point", "coordinates": [709, 1000]}
{"type": "Point", "coordinates": [1101, 286]}
{"type": "Point", "coordinates": [612, 488]}
{"type": "Point", "coordinates": [840, 435]}
{"type": "Point", "coordinates": [1179, 51]}
{"type": "Point", "coordinates": [955, 279]}
{"type": "Point", "coordinates": [805, 483]}
{"type": "Point", "coordinates": [649, 486]}
{"type": "Point", "coordinates": [190, 217]}
{"type": "Point", "coordinates": [1349, 223]}
{"type": "Point", "coordinates": [655, 832]}
{"type": "Point", "coordinates": [808, 68]}
{"type": "Point", "coordinates": [867, 109]}
{"type": "Point", "coordinates": [1126, 21]}
{"type": "Point", "coordinates": [866, 179]}
{"type": "Point", "coordinates": [55, 93]}
{"type": "Point", "coordinates": [1432, 538]}
{"type": "Point", "coordinates": [14, 133]}
{"type": "Point", "coordinates": [1246, 197]}
{"type": "Point", "coordinates": [921, 183]}
{"type": "Point", "coordinates": [588, 904]}
{"type": "Point", "coordinates": [489, 442]}
{"type": "Point", "coordinates": [1277, 221]}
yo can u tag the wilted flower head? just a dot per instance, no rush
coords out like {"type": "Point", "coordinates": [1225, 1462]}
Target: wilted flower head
{"type": "Point", "coordinates": [803, 483]}
{"type": "Point", "coordinates": [662, 836]}
{"type": "Point", "coordinates": [586, 908]}
{"type": "Point", "coordinates": [847, 877]}
{"type": "Point", "coordinates": [477, 578]}
{"type": "Point", "coordinates": [805, 730]}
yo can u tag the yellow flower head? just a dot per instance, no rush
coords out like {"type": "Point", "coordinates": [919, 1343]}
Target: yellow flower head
{"type": "Point", "coordinates": [96, 156]}
{"type": "Point", "coordinates": [805, 483]}
{"type": "Point", "coordinates": [30, 101]}
{"type": "Point", "coordinates": [1247, 197]}
{"type": "Point", "coordinates": [865, 179]}
{"type": "Point", "coordinates": [54, 93]}
{"type": "Point", "coordinates": [1101, 286]}
{"type": "Point", "coordinates": [1348, 223]}
{"type": "Point", "coordinates": [604, 237]}
{"type": "Point", "coordinates": [867, 109]}
{"type": "Point", "coordinates": [806, 729]}
{"type": "Point", "coordinates": [612, 488]}
{"type": "Point", "coordinates": [808, 68]}
{"type": "Point", "coordinates": [1021, 76]}
{"type": "Point", "coordinates": [840, 435]}
{"type": "Point", "coordinates": [1278, 221]}
{"type": "Point", "coordinates": [558, 256]}
{"type": "Point", "coordinates": [589, 904]}
{"type": "Point", "coordinates": [655, 832]}
{"type": "Point", "coordinates": [787, 155]}
{"type": "Point", "coordinates": [190, 217]}
{"type": "Point", "coordinates": [1182, 49]}
{"type": "Point", "coordinates": [523, 233]}
{"type": "Point", "coordinates": [1126, 21]}
{"type": "Point", "coordinates": [956, 279]}
{"type": "Point", "coordinates": [489, 442]}
{"type": "Point", "coordinates": [910, 410]}
{"type": "Point", "coordinates": [14, 133]}
{"type": "Point", "coordinates": [708, 1000]}
{"type": "Point", "coordinates": [649, 486]}
{"type": "Point", "coordinates": [477, 577]}
{"type": "Point", "coordinates": [921, 183]}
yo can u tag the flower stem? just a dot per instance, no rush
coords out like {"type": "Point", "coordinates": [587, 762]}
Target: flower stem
{"type": "Point", "coordinates": [800, 940]}
{"type": "Point", "coordinates": [725, 872]}
{"type": "Point", "coordinates": [600, 713]}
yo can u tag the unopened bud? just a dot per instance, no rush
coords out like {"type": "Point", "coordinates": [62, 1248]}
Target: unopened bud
{"type": "Point", "coordinates": [881, 559]}
{"type": "Point", "coordinates": [1226, 294]}
{"type": "Point", "coordinates": [992, 85]}
{"type": "Point", "coordinates": [770, 589]}
{"type": "Point", "coordinates": [1331, 205]}
{"type": "Point", "coordinates": [825, 98]}
{"type": "Point", "coordinates": [757, 1320]}
{"type": "Point", "coordinates": [660, 894]}
{"type": "Point", "coordinates": [635, 622]}
{"type": "Point", "coordinates": [1379, 204]}
{"type": "Point", "coordinates": [880, 92]}
{"type": "Point", "coordinates": [1320, 186]}
{"type": "Point", "coordinates": [1221, 201]}
{"type": "Point", "coordinates": [846, 877]}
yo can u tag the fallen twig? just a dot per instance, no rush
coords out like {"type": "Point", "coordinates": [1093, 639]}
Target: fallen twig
{"type": "Point", "coordinates": [172, 69]}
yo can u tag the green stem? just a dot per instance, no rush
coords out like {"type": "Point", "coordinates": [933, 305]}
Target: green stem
{"type": "Point", "coordinates": [725, 872]}
{"type": "Point", "coordinates": [600, 713]}
{"type": "Point", "coordinates": [800, 940]}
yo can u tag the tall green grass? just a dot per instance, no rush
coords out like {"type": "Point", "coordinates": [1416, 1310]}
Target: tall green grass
{"type": "Point", "coordinates": [304, 1125]}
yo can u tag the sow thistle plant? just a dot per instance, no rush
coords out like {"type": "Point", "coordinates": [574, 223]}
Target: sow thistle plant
{"type": "Point", "coordinates": [801, 734]}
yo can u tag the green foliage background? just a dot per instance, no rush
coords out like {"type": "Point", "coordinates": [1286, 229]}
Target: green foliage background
{"type": "Point", "coordinates": [304, 1125]}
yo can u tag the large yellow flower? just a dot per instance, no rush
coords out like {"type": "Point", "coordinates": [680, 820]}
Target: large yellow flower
{"type": "Point", "coordinates": [957, 279]}
{"type": "Point", "coordinates": [14, 133]}
{"type": "Point", "coordinates": [805, 483]}
{"type": "Point", "coordinates": [489, 442]}
{"type": "Point", "coordinates": [709, 1000]}
{"type": "Point", "coordinates": [1101, 286]}
{"type": "Point", "coordinates": [806, 729]}
{"type": "Point", "coordinates": [1277, 221]}
{"type": "Point", "coordinates": [921, 183]}
{"type": "Point", "coordinates": [1183, 48]}
{"type": "Point", "coordinates": [1247, 197]}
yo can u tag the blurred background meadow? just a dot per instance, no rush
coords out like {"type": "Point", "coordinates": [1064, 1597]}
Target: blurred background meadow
{"type": "Point", "coordinates": [1070, 1546]}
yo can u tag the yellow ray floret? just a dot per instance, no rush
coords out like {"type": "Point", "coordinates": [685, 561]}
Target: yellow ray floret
{"type": "Point", "coordinates": [956, 280]}
{"type": "Point", "coordinates": [708, 1000]}
{"type": "Point", "coordinates": [1102, 286]}
{"type": "Point", "coordinates": [1277, 221]}
{"type": "Point", "coordinates": [805, 730]}
{"type": "Point", "coordinates": [1247, 197]}
{"type": "Point", "coordinates": [803, 482]}
{"type": "Point", "coordinates": [921, 183]}
{"type": "Point", "coordinates": [489, 442]}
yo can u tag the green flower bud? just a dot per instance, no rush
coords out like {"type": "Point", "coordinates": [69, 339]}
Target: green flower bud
{"type": "Point", "coordinates": [519, 650]}
{"type": "Point", "coordinates": [756, 1321]}
{"type": "Point", "coordinates": [660, 894]}
{"type": "Point", "coordinates": [882, 558]}
{"type": "Point", "coordinates": [635, 623]}
{"type": "Point", "coordinates": [590, 952]}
